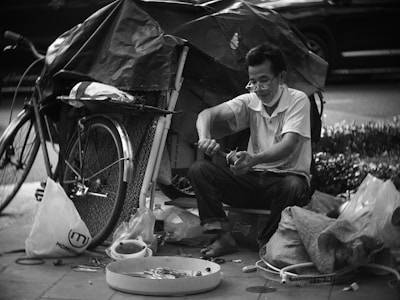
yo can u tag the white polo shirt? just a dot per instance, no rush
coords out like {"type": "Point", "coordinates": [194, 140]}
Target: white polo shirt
{"type": "Point", "coordinates": [291, 115]}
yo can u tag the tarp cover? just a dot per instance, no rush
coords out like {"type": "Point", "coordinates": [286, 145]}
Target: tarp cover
{"type": "Point", "coordinates": [134, 46]}
{"type": "Point", "coordinates": [119, 45]}
{"type": "Point", "coordinates": [228, 29]}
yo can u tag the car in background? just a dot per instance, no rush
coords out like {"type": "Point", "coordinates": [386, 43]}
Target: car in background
{"type": "Point", "coordinates": [353, 36]}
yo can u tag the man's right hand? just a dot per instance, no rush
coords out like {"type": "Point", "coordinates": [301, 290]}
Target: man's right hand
{"type": "Point", "coordinates": [209, 146]}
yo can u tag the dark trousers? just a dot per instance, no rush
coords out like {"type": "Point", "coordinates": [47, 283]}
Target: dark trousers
{"type": "Point", "coordinates": [214, 185]}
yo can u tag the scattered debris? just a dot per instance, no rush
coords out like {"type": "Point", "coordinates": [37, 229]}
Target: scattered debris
{"type": "Point", "coordinates": [94, 261]}
{"type": "Point", "coordinates": [83, 268]}
{"type": "Point", "coordinates": [29, 261]}
{"type": "Point", "coordinates": [216, 260]}
{"type": "Point", "coordinates": [352, 287]}
{"type": "Point", "coordinates": [58, 262]}
{"type": "Point", "coordinates": [249, 269]}
{"type": "Point", "coordinates": [164, 273]}
{"type": "Point", "coordinates": [94, 265]}
{"type": "Point", "coordinates": [260, 289]}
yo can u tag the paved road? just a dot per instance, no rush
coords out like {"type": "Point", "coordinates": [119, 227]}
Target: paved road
{"type": "Point", "coordinates": [360, 100]}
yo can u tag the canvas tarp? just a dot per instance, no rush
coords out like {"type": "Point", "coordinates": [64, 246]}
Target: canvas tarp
{"type": "Point", "coordinates": [134, 45]}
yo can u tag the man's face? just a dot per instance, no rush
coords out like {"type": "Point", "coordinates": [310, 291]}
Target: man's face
{"type": "Point", "coordinates": [265, 82]}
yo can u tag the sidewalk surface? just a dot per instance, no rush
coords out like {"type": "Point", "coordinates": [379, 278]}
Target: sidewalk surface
{"type": "Point", "coordinates": [52, 281]}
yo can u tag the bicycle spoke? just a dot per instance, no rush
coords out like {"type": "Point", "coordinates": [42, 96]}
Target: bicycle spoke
{"type": "Point", "coordinates": [94, 165]}
{"type": "Point", "coordinates": [24, 145]}
{"type": "Point", "coordinates": [72, 169]}
{"type": "Point", "coordinates": [17, 156]}
{"type": "Point", "coordinates": [106, 168]}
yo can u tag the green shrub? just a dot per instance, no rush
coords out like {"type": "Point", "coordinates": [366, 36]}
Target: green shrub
{"type": "Point", "coordinates": [346, 153]}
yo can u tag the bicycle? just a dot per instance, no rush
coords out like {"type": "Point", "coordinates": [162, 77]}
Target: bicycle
{"type": "Point", "coordinates": [94, 177]}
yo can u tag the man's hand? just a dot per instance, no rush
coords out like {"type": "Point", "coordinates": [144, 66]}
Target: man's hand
{"type": "Point", "coordinates": [209, 146]}
{"type": "Point", "coordinates": [243, 164]}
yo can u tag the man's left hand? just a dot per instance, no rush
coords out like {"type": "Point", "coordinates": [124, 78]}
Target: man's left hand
{"type": "Point", "coordinates": [243, 164]}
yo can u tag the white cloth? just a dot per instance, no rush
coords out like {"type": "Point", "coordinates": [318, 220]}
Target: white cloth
{"type": "Point", "coordinates": [291, 115]}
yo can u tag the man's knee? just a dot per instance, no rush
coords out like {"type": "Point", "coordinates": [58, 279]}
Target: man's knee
{"type": "Point", "coordinates": [298, 188]}
{"type": "Point", "coordinates": [293, 182]}
{"type": "Point", "coordinates": [197, 167]}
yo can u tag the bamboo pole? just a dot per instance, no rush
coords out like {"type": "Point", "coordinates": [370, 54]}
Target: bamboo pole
{"type": "Point", "coordinates": [160, 137]}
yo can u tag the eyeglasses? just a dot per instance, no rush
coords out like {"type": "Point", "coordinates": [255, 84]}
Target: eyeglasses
{"type": "Point", "coordinates": [262, 85]}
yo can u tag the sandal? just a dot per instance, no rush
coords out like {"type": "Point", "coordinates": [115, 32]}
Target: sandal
{"type": "Point", "coordinates": [219, 246]}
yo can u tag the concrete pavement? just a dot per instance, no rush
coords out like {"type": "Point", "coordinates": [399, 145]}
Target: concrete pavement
{"type": "Point", "coordinates": [51, 280]}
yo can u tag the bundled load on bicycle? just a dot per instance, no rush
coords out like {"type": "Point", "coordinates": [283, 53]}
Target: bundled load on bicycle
{"type": "Point", "coordinates": [123, 90]}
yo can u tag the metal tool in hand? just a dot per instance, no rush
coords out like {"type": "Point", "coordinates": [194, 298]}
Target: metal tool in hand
{"type": "Point", "coordinates": [230, 156]}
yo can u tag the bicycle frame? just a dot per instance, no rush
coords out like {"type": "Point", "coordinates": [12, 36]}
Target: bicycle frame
{"type": "Point", "coordinates": [34, 100]}
{"type": "Point", "coordinates": [39, 126]}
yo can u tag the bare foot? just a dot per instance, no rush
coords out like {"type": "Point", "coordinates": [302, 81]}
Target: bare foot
{"type": "Point", "coordinates": [223, 244]}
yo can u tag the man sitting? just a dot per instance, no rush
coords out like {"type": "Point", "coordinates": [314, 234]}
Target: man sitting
{"type": "Point", "coordinates": [274, 171]}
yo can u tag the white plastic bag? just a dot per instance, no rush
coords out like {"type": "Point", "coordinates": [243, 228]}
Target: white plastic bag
{"type": "Point", "coordinates": [363, 201]}
{"type": "Point", "coordinates": [182, 226]}
{"type": "Point", "coordinates": [371, 210]}
{"type": "Point", "coordinates": [58, 229]}
{"type": "Point", "coordinates": [381, 227]}
{"type": "Point", "coordinates": [140, 227]}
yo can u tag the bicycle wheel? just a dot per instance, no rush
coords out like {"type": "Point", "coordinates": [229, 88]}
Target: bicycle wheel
{"type": "Point", "coordinates": [93, 176]}
{"type": "Point", "coordinates": [19, 146]}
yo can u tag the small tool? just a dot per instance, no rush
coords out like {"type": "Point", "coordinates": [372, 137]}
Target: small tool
{"type": "Point", "coordinates": [249, 269]}
{"type": "Point", "coordinates": [217, 260]}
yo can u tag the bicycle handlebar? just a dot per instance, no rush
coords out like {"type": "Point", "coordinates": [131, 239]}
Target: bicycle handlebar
{"type": "Point", "coordinates": [21, 40]}
{"type": "Point", "coordinates": [13, 36]}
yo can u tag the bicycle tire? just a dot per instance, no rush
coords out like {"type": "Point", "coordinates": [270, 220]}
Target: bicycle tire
{"type": "Point", "coordinates": [101, 149]}
{"type": "Point", "coordinates": [19, 146]}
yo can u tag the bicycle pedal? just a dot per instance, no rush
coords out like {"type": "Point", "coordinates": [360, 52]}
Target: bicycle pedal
{"type": "Point", "coordinates": [39, 194]}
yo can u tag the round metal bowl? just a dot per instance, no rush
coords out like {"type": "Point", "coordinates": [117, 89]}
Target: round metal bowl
{"type": "Point", "coordinates": [126, 276]}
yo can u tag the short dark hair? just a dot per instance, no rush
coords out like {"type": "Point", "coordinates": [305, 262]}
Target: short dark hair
{"type": "Point", "coordinates": [257, 55]}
